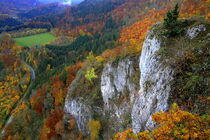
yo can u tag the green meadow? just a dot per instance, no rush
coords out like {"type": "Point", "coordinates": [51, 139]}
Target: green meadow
{"type": "Point", "coordinates": [37, 39]}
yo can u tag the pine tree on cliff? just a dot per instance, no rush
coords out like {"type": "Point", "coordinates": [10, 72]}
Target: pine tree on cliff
{"type": "Point", "coordinates": [171, 22]}
{"type": "Point", "coordinates": [171, 18]}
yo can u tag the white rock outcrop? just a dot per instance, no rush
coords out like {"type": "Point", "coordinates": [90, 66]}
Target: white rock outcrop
{"type": "Point", "coordinates": [119, 90]}
{"type": "Point", "coordinates": [123, 97]}
{"type": "Point", "coordinates": [194, 31]}
{"type": "Point", "coordinates": [155, 85]}
{"type": "Point", "coordinates": [115, 80]}
{"type": "Point", "coordinates": [79, 111]}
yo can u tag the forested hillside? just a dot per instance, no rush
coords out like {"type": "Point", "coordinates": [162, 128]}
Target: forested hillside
{"type": "Point", "coordinates": [110, 65]}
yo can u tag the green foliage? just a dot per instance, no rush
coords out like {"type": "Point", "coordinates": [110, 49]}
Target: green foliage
{"type": "Point", "coordinates": [64, 76]}
{"type": "Point", "coordinates": [26, 125]}
{"type": "Point", "coordinates": [45, 76]}
{"type": "Point", "coordinates": [90, 74]}
{"type": "Point", "coordinates": [162, 51]}
{"type": "Point", "coordinates": [191, 81]}
{"type": "Point", "coordinates": [1, 65]}
{"type": "Point", "coordinates": [78, 50]}
{"type": "Point", "coordinates": [127, 120]}
{"type": "Point", "coordinates": [91, 58]}
{"type": "Point", "coordinates": [171, 18]}
{"type": "Point", "coordinates": [171, 22]}
{"type": "Point", "coordinates": [38, 39]}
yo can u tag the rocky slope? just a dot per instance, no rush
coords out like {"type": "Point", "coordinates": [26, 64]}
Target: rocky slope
{"type": "Point", "coordinates": [154, 85]}
{"type": "Point", "coordinates": [109, 98]}
{"type": "Point", "coordinates": [127, 92]}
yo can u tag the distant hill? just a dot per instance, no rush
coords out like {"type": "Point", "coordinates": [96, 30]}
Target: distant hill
{"type": "Point", "coordinates": [6, 20]}
{"type": "Point", "coordinates": [13, 6]}
{"type": "Point", "coordinates": [41, 10]}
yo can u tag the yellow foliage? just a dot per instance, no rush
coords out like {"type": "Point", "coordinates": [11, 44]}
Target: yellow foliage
{"type": "Point", "coordinates": [100, 59]}
{"type": "Point", "coordinates": [174, 124]}
{"type": "Point", "coordinates": [145, 135]}
{"type": "Point", "coordinates": [181, 125]}
{"type": "Point", "coordinates": [125, 135]}
{"type": "Point", "coordinates": [48, 67]}
{"type": "Point", "coordinates": [19, 108]}
{"type": "Point", "coordinates": [94, 127]}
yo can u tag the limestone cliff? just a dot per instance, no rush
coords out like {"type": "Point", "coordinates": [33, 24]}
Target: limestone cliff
{"type": "Point", "coordinates": [154, 85]}
{"type": "Point", "coordinates": [129, 90]}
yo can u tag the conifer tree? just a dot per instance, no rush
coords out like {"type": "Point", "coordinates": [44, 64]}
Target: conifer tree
{"type": "Point", "coordinates": [171, 22]}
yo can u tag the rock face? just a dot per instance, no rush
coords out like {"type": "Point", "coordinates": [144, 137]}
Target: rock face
{"type": "Point", "coordinates": [76, 106]}
{"type": "Point", "coordinates": [119, 85]}
{"type": "Point", "coordinates": [129, 91]}
{"type": "Point", "coordinates": [117, 80]}
{"type": "Point", "coordinates": [126, 103]}
{"type": "Point", "coordinates": [80, 112]}
{"type": "Point", "coordinates": [194, 31]}
{"type": "Point", "coordinates": [154, 85]}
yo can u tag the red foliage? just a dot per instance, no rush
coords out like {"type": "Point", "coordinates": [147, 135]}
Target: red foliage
{"type": "Point", "coordinates": [58, 90]}
{"type": "Point", "coordinates": [191, 8]}
{"type": "Point", "coordinates": [37, 101]}
{"type": "Point", "coordinates": [49, 128]}
{"type": "Point", "coordinates": [72, 72]}
{"type": "Point", "coordinates": [132, 37]}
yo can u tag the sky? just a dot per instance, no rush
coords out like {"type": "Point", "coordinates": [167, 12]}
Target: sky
{"type": "Point", "coordinates": [68, 2]}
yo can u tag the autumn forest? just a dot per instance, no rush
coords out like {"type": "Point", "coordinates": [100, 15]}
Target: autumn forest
{"type": "Point", "coordinates": [54, 59]}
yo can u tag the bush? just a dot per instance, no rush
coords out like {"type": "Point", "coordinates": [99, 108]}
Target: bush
{"type": "Point", "coordinates": [172, 24]}
{"type": "Point", "coordinates": [171, 18]}
{"type": "Point", "coordinates": [174, 124]}
{"type": "Point", "coordinates": [90, 74]}
{"type": "Point", "coordinates": [94, 127]}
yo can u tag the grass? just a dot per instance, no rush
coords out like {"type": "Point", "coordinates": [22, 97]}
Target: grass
{"type": "Point", "coordinates": [37, 39]}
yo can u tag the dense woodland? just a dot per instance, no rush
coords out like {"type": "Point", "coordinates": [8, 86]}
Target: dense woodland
{"type": "Point", "coordinates": [87, 35]}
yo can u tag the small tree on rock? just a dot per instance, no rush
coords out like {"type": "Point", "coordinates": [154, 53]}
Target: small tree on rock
{"type": "Point", "coordinates": [90, 74]}
{"type": "Point", "coordinates": [171, 22]}
{"type": "Point", "coordinates": [171, 18]}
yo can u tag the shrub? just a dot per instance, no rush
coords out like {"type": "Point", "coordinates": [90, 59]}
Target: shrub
{"type": "Point", "coordinates": [171, 18]}
{"type": "Point", "coordinates": [174, 124]}
{"type": "Point", "coordinates": [171, 22]}
{"type": "Point", "coordinates": [94, 127]}
{"type": "Point", "coordinates": [90, 74]}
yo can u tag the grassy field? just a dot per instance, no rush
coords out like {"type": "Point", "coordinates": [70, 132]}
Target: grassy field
{"type": "Point", "coordinates": [37, 39]}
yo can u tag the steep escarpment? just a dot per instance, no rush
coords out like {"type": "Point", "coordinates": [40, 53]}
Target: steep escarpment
{"type": "Point", "coordinates": [172, 70]}
{"type": "Point", "coordinates": [155, 85]}
{"type": "Point", "coordinates": [107, 99]}
{"type": "Point", "coordinates": [119, 87]}
{"type": "Point", "coordinates": [128, 91]}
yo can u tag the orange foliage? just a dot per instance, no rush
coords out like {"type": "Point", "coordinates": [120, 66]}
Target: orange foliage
{"type": "Point", "coordinates": [58, 90]}
{"type": "Point", "coordinates": [191, 8]}
{"type": "Point", "coordinates": [132, 37]}
{"type": "Point", "coordinates": [181, 125]}
{"type": "Point", "coordinates": [139, 8]}
{"type": "Point", "coordinates": [88, 29]}
{"type": "Point", "coordinates": [19, 108]}
{"type": "Point", "coordinates": [174, 124]}
{"type": "Point", "coordinates": [72, 72]}
{"type": "Point", "coordinates": [72, 123]}
{"type": "Point", "coordinates": [128, 134]}
{"type": "Point", "coordinates": [51, 123]}
{"type": "Point", "coordinates": [37, 101]}
{"type": "Point", "coordinates": [137, 32]}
